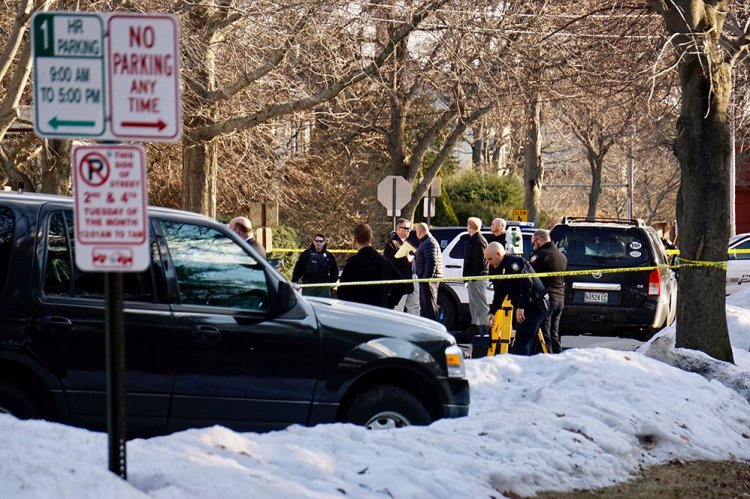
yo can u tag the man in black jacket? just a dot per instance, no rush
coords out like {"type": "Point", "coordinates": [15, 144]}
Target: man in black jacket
{"type": "Point", "coordinates": [527, 295]}
{"type": "Point", "coordinates": [404, 265]}
{"type": "Point", "coordinates": [429, 263]}
{"type": "Point", "coordinates": [476, 266]}
{"type": "Point", "coordinates": [547, 258]}
{"type": "Point", "coordinates": [497, 228]}
{"type": "Point", "coordinates": [316, 265]}
{"type": "Point", "coordinates": [369, 265]}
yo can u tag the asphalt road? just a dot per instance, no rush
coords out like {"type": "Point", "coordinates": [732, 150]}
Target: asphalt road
{"type": "Point", "coordinates": [586, 341]}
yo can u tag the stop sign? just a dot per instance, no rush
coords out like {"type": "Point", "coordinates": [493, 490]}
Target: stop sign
{"type": "Point", "coordinates": [394, 192]}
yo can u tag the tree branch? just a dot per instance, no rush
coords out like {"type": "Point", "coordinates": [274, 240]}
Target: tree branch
{"type": "Point", "coordinates": [210, 131]}
{"type": "Point", "coordinates": [246, 79]}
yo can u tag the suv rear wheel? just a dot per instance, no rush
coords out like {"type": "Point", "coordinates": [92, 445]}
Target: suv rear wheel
{"type": "Point", "coordinates": [384, 407]}
{"type": "Point", "coordinates": [447, 311]}
{"type": "Point", "coordinates": [15, 402]}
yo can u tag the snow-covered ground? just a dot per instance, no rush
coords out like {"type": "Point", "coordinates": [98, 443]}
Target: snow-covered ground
{"type": "Point", "coordinates": [585, 418]}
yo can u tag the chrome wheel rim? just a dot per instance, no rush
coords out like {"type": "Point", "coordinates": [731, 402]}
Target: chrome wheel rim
{"type": "Point", "coordinates": [387, 420]}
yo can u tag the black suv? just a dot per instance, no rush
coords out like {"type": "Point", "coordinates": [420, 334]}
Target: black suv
{"type": "Point", "coordinates": [636, 303]}
{"type": "Point", "coordinates": [214, 335]}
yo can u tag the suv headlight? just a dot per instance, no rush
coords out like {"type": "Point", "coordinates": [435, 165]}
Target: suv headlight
{"type": "Point", "coordinates": [454, 361]}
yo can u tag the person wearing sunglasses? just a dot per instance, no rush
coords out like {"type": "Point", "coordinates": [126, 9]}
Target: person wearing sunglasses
{"type": "Point", "coordinates": [316, 265]}
{"type": "Point", "coordinates": [404, 265]}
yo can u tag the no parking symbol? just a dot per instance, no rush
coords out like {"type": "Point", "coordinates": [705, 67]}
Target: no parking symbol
{"type": "Point", "coordinates": [94, 169]}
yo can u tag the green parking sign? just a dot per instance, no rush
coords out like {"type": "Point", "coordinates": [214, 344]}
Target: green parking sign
{"type": "Point", "coordinates": [69, 75]}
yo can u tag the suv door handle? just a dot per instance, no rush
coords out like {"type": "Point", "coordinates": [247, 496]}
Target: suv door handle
{"type": "Point", "coordinates": [205, 334]}
{"type": "Point", "coordinates": [55, 324]}
{"type": "Point", "coordinates": [453, 266]}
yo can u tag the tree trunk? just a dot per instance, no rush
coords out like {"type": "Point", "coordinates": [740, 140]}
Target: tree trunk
{"type": "Point", "coordinates": [397, 135]}
{"type": "Point", "coordinates": [200, 152]}
{"type": "Point", "coordinates": [596, 163]}
{"type": "Point", "coordinates": [56, 173]}
{"type": "Point", "coordinates": [199, 166]}
{"type": "Point", "coordinates": [702, 148]}
{"type": "Point", "coordinates": [534, 168]}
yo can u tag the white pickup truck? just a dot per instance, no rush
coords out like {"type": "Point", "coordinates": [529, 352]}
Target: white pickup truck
{"type": "Point", "coordinates": [738, 264]}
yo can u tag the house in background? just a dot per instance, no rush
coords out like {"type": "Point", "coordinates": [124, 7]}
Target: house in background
{"type": "Point", "coordinates": [742, 195]}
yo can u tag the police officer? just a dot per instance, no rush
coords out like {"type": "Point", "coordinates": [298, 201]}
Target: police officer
{"type": "Point", "coordinates": [547, 258]}
{"type": "Point", "coordinates": [316, 265]}
{"type": "Point", "coordinates": [527, 295]}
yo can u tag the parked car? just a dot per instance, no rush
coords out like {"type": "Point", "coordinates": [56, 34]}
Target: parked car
{"type": "Point", "coordinates": [738, 264]}
{"type": "Point", "coordinates": [635, 303]}
{"type": "Point", "coordinates": [453, 297]}
{"type": "Point", "coordinates": [214, 335]}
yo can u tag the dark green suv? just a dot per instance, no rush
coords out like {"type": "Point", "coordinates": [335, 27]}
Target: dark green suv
{"type": "Point", "coordinates": [636, 303]}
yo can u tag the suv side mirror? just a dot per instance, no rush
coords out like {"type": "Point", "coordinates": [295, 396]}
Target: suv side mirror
{"type": "Point", "coordinates": [287, 298]}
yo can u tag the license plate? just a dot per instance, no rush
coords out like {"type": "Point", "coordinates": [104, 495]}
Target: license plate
{"type": "Point", "coordinates": [595, 297]}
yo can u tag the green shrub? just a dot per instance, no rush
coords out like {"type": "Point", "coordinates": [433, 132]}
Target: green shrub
{"type": "Point", "coordinates": [484, 195]}
{"type": "Point", "coordinates": [286, 238]}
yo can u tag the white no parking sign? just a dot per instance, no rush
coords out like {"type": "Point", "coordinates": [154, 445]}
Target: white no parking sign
{"type": "Point", "coordinates": [111, 219]}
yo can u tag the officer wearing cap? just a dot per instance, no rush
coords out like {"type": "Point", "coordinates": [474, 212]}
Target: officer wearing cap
{"type": "Point", "coordinates": [527, 295]}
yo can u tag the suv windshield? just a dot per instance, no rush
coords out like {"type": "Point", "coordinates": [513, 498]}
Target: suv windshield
{"type": "Point", "coordinates": [603, 246]}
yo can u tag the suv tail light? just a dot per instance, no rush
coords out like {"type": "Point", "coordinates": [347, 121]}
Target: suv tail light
{"type": "Point", "coordinates": [654, 283]}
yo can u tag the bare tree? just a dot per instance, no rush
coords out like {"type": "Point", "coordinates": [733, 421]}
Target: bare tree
{"type": "Point", "coordinates": [211, 112]}
{"type": "Point", "coordinates": [15, 67]}
{"type": "Point", "coordinates": [708, 38]}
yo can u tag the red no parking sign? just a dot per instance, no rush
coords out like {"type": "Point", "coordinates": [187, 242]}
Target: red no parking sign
{"type": "Point", "coordinates": [111, 219]}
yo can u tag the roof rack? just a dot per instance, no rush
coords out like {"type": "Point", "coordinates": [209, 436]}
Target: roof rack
{"type": "Point", "coordinates": [636, 222]}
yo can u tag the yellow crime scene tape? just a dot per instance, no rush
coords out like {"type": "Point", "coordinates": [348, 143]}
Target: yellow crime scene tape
{"type": "Point", "coordinates": [731, 251]}
{"type": "Point", "coordinates": [680, 262]}
{"type": "Point", "coordinates": [300, 250]}
{"type": "Point", "coordinates": [513, 276]}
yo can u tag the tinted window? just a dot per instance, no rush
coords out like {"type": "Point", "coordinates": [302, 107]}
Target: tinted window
{"type": "Point", "coordinates": [62, 278]}
{"type": "Point", "coordinates": [603, 246]}
{"type": "Point", "coordinates": [213, 270]}
{"type": "Point", "coordinates": [7, 223]}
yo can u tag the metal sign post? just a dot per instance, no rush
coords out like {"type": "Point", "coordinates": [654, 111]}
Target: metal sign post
{"type": "Point", "coordinates": [116, 381]}
{"type": "Point", "coordinates": [106, 77]}
{"type": "Point", "coordinates": [111, 224]}
{"type": "Point", "coordinates": [428, 205]}
{"type": "Point", "coordinates": [393, 203]}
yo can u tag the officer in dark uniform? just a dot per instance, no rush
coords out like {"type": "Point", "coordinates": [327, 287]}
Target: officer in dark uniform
{"type": "Point", "coordinates": [527, 295]}
{"type": "Point", "coordinates": [316, 265]}
{"type": "Point", "coordinates": [547, 258]}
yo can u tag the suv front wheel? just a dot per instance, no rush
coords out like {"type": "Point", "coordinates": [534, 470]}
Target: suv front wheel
{"type": "Point", "coordinates": [384, 407]}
